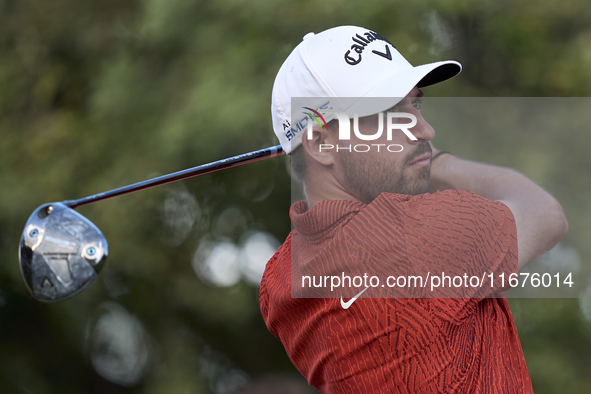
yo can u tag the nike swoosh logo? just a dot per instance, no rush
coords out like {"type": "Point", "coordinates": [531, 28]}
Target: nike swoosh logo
{"type": "Point", "coordinates": [347, 304]}
{"type": "Point", "coordinates": [386, 55]}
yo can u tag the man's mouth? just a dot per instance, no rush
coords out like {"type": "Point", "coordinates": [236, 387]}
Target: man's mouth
{"type": "Point", "coordinates": [423, 160]}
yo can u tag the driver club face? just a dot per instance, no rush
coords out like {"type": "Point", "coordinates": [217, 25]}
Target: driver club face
{"type": "Point", "coordinates": [61, 252]}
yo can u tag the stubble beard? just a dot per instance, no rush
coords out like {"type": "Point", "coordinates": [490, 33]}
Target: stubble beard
{"type": "Point", "coordinates": [367, 179]}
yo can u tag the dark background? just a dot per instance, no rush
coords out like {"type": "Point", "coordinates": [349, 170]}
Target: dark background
{"type": "Point", "coordinates": [99, 94]}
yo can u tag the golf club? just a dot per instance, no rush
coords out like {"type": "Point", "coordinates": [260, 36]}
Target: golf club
{"type": "Point", "coordinates": [61, 252]}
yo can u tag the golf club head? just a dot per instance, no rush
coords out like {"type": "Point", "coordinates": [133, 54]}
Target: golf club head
{"type": "Point", "coordinates": [61, 252]}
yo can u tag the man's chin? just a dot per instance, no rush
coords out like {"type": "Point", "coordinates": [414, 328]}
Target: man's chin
{"type": "Point", "coordinates": [420, 185]}
{"type": "Point", "coordinates": [419, 188]}
{"type": "Point", "coordinates": [366, 192]}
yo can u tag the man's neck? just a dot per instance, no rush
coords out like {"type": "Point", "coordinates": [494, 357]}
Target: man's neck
{"type": "Point", "coordinates": [327, 189]}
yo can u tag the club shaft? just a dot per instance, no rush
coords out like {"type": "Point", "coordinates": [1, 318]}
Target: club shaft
{"type": "Point", "coordinates": [235, 161]}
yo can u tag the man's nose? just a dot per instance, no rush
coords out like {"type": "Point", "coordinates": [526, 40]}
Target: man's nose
{"type": "Point", "coordinates": [423, 131]}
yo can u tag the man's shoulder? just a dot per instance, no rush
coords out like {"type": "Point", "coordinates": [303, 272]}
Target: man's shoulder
{"type": "Point", "coordinates": [453, 203]}
{"type": "Point", "coordinates": [450, 217]}
{"type": "Point", "coordinates": [444, 196]}
{"type": "Point", "coordinates": [276, 274]}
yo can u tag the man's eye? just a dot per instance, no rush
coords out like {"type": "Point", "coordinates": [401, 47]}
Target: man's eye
{"type": "Point", "coordinates": [417, 103]}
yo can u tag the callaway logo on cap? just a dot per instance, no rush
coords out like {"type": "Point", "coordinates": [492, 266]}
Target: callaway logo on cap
{"type": "Point", "coordinates": [344, 64]}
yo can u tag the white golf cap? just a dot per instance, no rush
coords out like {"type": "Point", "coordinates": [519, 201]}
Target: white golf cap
{"type": "Point", "coordinates": [344, 64]}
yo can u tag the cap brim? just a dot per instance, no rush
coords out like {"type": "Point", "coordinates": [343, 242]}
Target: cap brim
{"type": "Point", "coordinates": [439, 72]}
{"type": "Point", "coordinates": [391, 90]}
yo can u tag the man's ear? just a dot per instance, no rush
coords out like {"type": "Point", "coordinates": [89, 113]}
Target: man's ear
{"type": "Point", "coordinates": [320, 146]}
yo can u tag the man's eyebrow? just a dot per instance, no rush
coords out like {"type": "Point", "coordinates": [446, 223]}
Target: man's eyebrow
{"type": "Point", "coordinates": [421, 94]}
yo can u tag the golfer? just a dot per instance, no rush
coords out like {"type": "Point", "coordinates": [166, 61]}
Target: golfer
{"type": "Point", "coordinates": [390, 202]}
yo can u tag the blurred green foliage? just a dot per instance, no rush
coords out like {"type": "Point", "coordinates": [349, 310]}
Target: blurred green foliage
{"type": "Point", "coordinates": [99, 94]}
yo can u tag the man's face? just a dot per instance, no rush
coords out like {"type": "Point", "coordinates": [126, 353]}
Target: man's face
{"type": "Point", "coordinates": [367, 174]}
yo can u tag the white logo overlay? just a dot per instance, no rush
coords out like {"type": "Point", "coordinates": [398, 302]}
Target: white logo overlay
{"type": "Point", "coordinates": [388, 124]}
{"type": "Point", "coordinates": [347, 304]}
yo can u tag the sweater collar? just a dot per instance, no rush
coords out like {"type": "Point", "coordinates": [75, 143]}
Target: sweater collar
{"type": "Point", "coordinates": [324, 216]}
